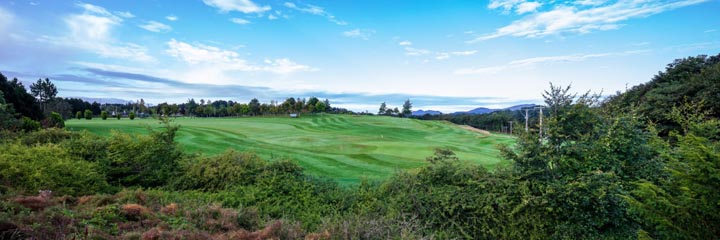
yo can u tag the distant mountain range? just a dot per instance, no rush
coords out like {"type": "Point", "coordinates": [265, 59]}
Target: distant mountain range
{"type": "Point", "coordinates": [480, 110]}
{"type": "Point", "coordinates": [422, 112]}
{"type": "Point", "coordinates": [104, 100]}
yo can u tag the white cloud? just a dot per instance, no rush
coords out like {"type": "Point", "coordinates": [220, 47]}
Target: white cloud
{"type": "Point", "coordinates": [710, 30]}
{"type": "Point", "coordinates": [172, 18]}
{"type": "Point", "coordinates": [272, 17]}
{"type": "Point", "coordinates": [125, 14]}
{"type": "Point", "coordinates": [315, 10]}
{"type": "Point", "coordinates": [416, 51]}
{"type": "Point", "coordinates": [226, 60]}
{"type": "Point", "coordinates": [154, 26]}
{"type": "Point", "coordinates": [359, 33]}
{"type": "Point", "coordinates": [527, 7]}
{"type": "Point", "coordinates": [244, 6]}
{"type": "Point", "coordinates": [532, 62]}
{"type": "Point", "coordinates": [239, 21]}
{"type": "Point", "coordinates": [583, 18]}
{"type": "Point", "coordinates": [405, 43]}
{"type": "Point", "coordinates": [465, 53]}
{"type": "Point", "coordinates": [91, 31]}
{"type": "Point", "coordinates": [89, 8]}
{"type": "Point", "coordinates": [442, 56]}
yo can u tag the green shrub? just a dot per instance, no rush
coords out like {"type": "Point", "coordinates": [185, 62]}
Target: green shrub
{"type": "Point", "coordinates": [50, 135]}
{"type": "Point", "coordinates": [88, 114]}
{"type": "Point", "coordinates": [131, 115]}
{"type": "Point", "coordinates": [55, 121]}
{"type": "Point", "coordinates": [29, 125]}
{"type": "Point", "coordinates": [104, 115]}
{"type": "Point", "coordinates": [141, 160]}
{"type": "Point", "coordinates": [118, 115]}
{"type": "Point", "coordinates": [221, 172]}
{"type": "Point", "coordinates": [78, 115]}
{"type": "Point", "coordinates": [29, 169]}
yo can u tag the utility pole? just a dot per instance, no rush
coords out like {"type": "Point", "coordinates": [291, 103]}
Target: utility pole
{"type": "Point", "coordinates": [511, 125]}
{"type": "Point", "coordinates": [541, 119]}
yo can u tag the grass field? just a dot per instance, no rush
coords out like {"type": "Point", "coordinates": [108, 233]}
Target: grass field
{"type": "Point", "coordinates": [342, 147]}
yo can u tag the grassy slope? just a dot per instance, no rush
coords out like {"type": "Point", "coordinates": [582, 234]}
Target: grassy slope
{"type": "Point", "coordinates": [343, 147]}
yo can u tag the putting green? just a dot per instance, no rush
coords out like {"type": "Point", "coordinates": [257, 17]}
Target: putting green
{"type": "Point", "coordinates": [346, 148]}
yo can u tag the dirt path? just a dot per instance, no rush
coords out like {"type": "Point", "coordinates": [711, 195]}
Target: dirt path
{"type": "Point", "coordinates": [469, 128]}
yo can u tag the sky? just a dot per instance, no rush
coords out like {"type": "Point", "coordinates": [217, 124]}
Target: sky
{"type": "Point", "coordinates": [447, 55]}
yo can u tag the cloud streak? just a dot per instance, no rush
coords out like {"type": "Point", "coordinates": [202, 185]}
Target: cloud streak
{"type": "Point", "coordinates": [200, 55]}
{"type": "Point", "coordinates": [243, 6]}
{"type": "Point", "coordinates": [315, 10]}
{"type": "Point", "coordinates": [532, 62]}
{"type": "Point", "coordinates": [579, 18]}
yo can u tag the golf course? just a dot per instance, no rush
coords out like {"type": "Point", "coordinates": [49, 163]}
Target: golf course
{"type": "Point", "coordinates": [346, 148]}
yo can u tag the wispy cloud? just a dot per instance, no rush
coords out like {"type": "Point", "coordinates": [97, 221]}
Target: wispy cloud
{"type": "Point", "coordinates": [154, 26]}
{"type": "Point", "coordinates": [438, 55]}
{"type": "Point", "coordinates": [364, 34]}
{"type": "Point", "coordinates": [315, 10]}
{"type": "Point", "coordinates": [125, 14]}
{"type": "Point", "coordinates": [710, 30]}
{"type": "Point", "coordinates": [172, 18]}
{"type": "Point", "coordinates": [91, 31]}
{"type": "Point", "coordinates": [588, 16]}
{"type": "Point", "coordinates": [226, 60]}
{"type": "Point", "coordinates": [244, 6]}
{"type": "Point", "coordinates": [239, 21]}
{"type": "Point", "coordinates": [532, 62]}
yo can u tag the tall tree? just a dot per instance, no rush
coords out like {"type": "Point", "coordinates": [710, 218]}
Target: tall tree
{"type": "Point", "coordinates": [254, 106]}
{"type": "Point", "coordinates": [44, 91]}
{"type": "Point", "coordinates": [407, 108]}
{"type": "Point", "coordinates": [383, 109]}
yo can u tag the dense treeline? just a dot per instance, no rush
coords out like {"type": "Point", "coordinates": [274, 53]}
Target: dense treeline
{"type": "Point", "coordinates": [498, 121]}
{"type": "Point", "coordinates": [597, 172]}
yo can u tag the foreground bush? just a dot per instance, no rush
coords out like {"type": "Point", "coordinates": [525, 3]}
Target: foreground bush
{"type": "Point", "coordinates": [30, 169]}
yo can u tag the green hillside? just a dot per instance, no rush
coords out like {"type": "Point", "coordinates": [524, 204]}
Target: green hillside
{"type": "Point", "coordinates": [343, 147]}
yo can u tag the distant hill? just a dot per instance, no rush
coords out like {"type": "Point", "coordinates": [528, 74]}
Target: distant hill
{"type": "Point", "coordinates": [104, 100]}
{"type": "Point", "coordinates": [483, 110]}
{"type": "Point", "coordinates": [423, 112]}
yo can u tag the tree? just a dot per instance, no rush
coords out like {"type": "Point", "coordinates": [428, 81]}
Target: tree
{"type": "Point", "coordinates": [131, 115]}
{"type": "Point", "coordinates": [104, 115]}
{"type": "Point", "coordinates": [383, 109]}
{"type": "Point", "coordinates": [327, 105]}
{"type": "Point", "coordinates": [44, 91]}
{"type": "Point", "coordinates": [320, 107]}
{"type": "Point", "coordinates": [22, 102]}
{"type": "Point", "coordinates": [407, 108]}
{"type": "Point", "coordinates": [7, 118]}
{"type": "Point", "coordinates": [88, 114]}
{"type": "Point", "coordinates": [78, 115]}
{"type": "Point", "coordinates": [118, 115]}
{"type": "Point", "coordinates": [254, 106]}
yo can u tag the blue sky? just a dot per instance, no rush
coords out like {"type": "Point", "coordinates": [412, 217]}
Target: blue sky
{"type": "Point", "coordinates": [446, 55]}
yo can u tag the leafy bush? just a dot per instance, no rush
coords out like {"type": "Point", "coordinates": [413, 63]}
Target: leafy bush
{"type": "Point", "coordinates": [88, 114]}
{"type": "Point", "coordinates": [32, 168]}
{"type": "Point", "coordinates": [221, 172]}
{"type": "Point", "coordinates": [78, 115]}
{"type": "Point", "coordinates": [131, 115]}
{"type": "Point", "coordinates": [29, 125]}
{"type": "Point", "coordinates": [55, 120]}
{"type": "Point", "coordinates": [104, 115]}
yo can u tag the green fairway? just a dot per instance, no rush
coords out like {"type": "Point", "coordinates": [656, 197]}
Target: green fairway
{"type": "Point", "coordinates": [342, 147]}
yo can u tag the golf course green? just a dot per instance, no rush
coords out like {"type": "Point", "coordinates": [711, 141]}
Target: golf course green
{"type": "Point", "coordinates": [346, 148]}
